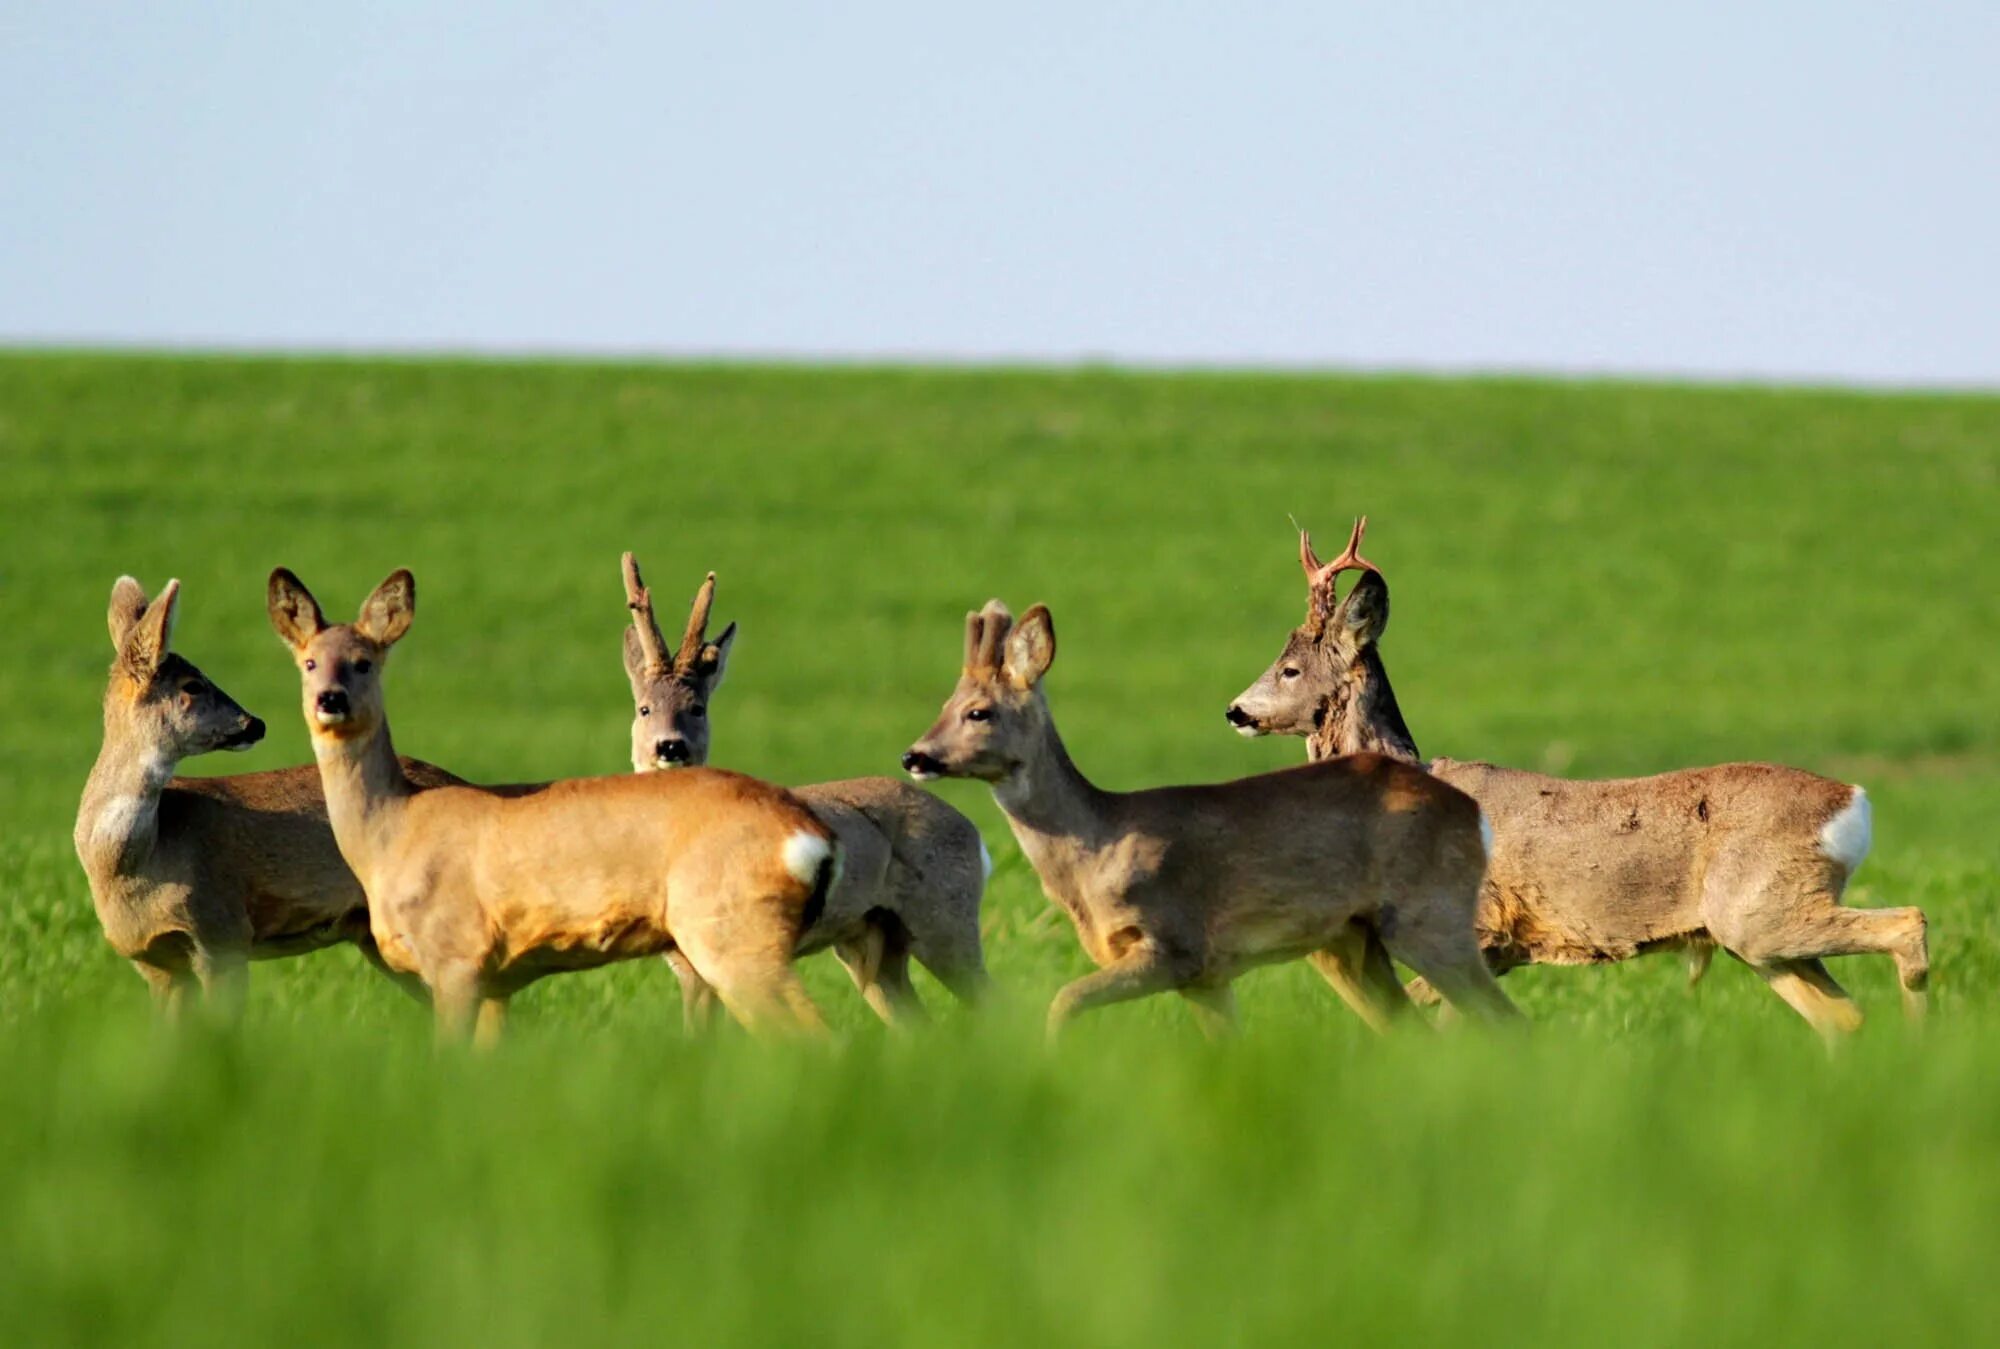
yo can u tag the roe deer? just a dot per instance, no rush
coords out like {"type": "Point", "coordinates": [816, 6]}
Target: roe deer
{"type": "Point", "coordinates": [480, 892]}
{"type": "Point", "coordinates": [912, 868]}
{"type": "Point", "coordinates": [1751, 857]}
{"type": "Point", "coordinates": [194, 877]}
{"type": "Point", "coordinates": [1184, 888]}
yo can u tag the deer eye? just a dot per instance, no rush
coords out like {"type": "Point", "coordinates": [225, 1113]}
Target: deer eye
{"type": "Point", "coordinates": [978, 713]}
{"type": "Point", "coordinates": [645, 711]}
{"type": "Point", "coordinates": [194, 688]}
{"type": "Point", "coordinates": [1291, 672]}
{"type": "Point", "coordinates": [312, 665]}
{"type": "Point", "coordinates": [698, 710]}
{"type": "Point", "coordinates": [363, 666]}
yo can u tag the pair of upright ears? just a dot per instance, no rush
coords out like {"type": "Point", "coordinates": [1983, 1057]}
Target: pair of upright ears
{"type": "Point", "coordinates": [142, 630]}
{"type": "Point", "coordinates": [385, 614]}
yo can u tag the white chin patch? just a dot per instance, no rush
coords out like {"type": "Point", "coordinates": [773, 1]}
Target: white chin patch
{"type": "Point", "coordinates": [1249, 732]}
{"type": "Point", "coordinates": [330, 718]}
{"type": "Point", "coordinates": [925, 775]}
{"type": "Point", "coordinates": [243, 748]}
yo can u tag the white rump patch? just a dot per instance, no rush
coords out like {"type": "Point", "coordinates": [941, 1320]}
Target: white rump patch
{"type": "Point", "coordinates": [985, 863]}
{"type": "Point", "coordinates": [1846, 837]}
{"type": "Point", "coordinates": [805, 853]}
{"type": "Point", "coordinates": [1486, 834]}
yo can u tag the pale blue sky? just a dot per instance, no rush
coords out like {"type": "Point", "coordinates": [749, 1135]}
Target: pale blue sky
{"type": "Point", "coordinates": [1790, 190]}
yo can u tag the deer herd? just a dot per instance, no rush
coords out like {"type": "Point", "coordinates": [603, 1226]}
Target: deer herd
{"type": "Point", "coordinates": [1362, 857]}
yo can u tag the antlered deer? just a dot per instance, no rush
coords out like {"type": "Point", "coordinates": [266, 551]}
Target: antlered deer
{"type": "Point", "coordinates": [1751, 857]}
{"type": "Point", "coordinates": [1184, 888]}
{"type": "Point", "coordinates": [195, 877]}
{"type": "Point", "coordinates": [912, 868]}
{"type": "Point", "coordinates": [480, 892]}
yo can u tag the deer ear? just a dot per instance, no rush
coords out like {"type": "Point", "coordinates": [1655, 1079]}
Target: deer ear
{"type": "Point", "coordinates": [635, 657]}
{"type": "Point", "coordinates": [294, 612]}
{"type": "Point", "coordinates": [128, 602]}
{"type": "Point", "coordinates": [386, 614]}
{"type": "Point", "coordinates": [1030, 647]}
{"type": "Point", "coordinates": [1363, 615]}
{"type": "Point", "coordinates": [151, 635]}
{"type": "Point", "coordinates": [715, 658]}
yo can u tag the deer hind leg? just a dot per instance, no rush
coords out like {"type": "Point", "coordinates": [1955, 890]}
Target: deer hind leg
{"type": "Point", "coordinates": [950, 949]}
{"type": "Point", "coordinates": [879, 963]}
{"type": "Point", "coordinates": [752, 972]}
{"type": "Point", "coordinates": [697, 994]}
{"type": "Point", "coordinates": [1437, 941]}
{"type": "Point", "coordinates": [1814, 995]}
{"type": "Point", "coordinates": [1791, 930]}
{"type": "Point", "coordinates": [1140, 969]}
{"type": "Point", "coordinates": [1357, 964]}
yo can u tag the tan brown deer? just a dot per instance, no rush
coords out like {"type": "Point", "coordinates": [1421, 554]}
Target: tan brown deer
{"type": "Point", "coordinates": [193, 878]}
{"type": "Point", "coordinates": [480, 892]}
{"type": "Point", "coordinates": [912, 868]}
{"type": "Point", "coordinates": [1184, 888]}
{"type": "Point", "coordinates": [1751, 857]}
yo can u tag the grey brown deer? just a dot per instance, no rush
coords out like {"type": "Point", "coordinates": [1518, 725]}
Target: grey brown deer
{"type": "Point", "coordinates": [1750, 857]}
{"type": "Point", "coordinates": [912, 871]}
{"type": "Point", "coordinates": [1184, 888]}
{"type": "Point", "coordinates": [479, 892]}
{"type": "Point", "coordinates": [193, 878]}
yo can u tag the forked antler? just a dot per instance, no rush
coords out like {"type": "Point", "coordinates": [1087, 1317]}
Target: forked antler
{"type": "Point", "coordinates": [1318, 573]}
{"type": "Point", "coordinates": [640, 601]}
{"type": "Point", "coordinates": [697, 628]}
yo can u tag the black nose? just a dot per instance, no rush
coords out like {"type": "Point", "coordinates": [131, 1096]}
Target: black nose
{"type": "Point", "coordinates": [1238, 717]}
{"type": "Point", "coordinates": [254, 731]}
{"type": "Point", "coordinates": [916, 761]}
{"type": "Point", "coordinates": [332, 700]}
{"type": "Point", "coordinates": [673, 751]}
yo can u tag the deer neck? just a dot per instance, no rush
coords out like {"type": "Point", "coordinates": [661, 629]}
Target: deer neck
{"type": "Point", "coordinates": [118, 822]}
{"type": "Point", "coordinates": [1362, 717]}
{"type": "Point", "coordinates": [366, 791]}
{"type": "Point", "coordinates": [1047, 799]}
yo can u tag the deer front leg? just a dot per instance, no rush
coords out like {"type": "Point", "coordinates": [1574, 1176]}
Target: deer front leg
{"type": "Point", "coordinates": [697, 994]}
{"type": "Point", "coordinates": [492, 1021]}
{"type": "Point", "coordinates": [1358, 966]}
{"type": "Point", "coordinates": [1142, 969]}
{"type": "Point", "coordinates": [880, 968]}
{"type": "Point", "coordinates": [1214, 1009]}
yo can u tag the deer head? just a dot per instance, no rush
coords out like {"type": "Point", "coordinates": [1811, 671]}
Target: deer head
{"type": "Point", "coordinates": [1315, 680]}
{"type": "Point", "coordinates": [996, 714]}
{"type": "Point", "coordinates": [670, 694]}
{"type": "Point", "coordinates": [340, 666]}
{"type": "Point", "coordinates": [158, 698]}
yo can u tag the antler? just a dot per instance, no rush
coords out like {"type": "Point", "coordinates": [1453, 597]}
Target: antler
{"type": "Point", "coordinates": [697, 628]}
{"type": "Point", "coordinates": [1318, 573]}
{"type": "Point", "coordinates": [640, 601]}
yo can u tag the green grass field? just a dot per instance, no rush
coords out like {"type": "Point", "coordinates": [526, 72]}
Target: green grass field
{"type": "Point", "coordinates": [1597, 578]}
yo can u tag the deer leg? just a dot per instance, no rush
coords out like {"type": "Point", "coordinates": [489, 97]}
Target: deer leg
{"type": "Point", "coordinates": [1448, 956]}
{"type": "Point", "coordinates": [455, 999]}
{"type": "Point", "coordinates": [225, 978]}
{"type": "Point", "coordinates": [409, 983]}
{"type": "Point", "coordinates": [1142, 969]}
{"type": "Point", "coordinates": [1814, 995]}
{"type": "Point", "coordinates": [1214, 1008]}
{"type": "Point", "coordinates": [491, 1021]}
{"type": "Point", "coordinates": [697, 996]}
{"type": "Point", "coordinates": [879, 964]}
{"type": "Point", "coordinates": [1697, 954]}
{"type": "Point", "coordinates": [1357, 965]}
{"type": "Point", "coordinates": [954, 957]}
{"type": "Point", "coordinates": [1828, 928]}
{"type": "Point", "coordinates": [169, 989]}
